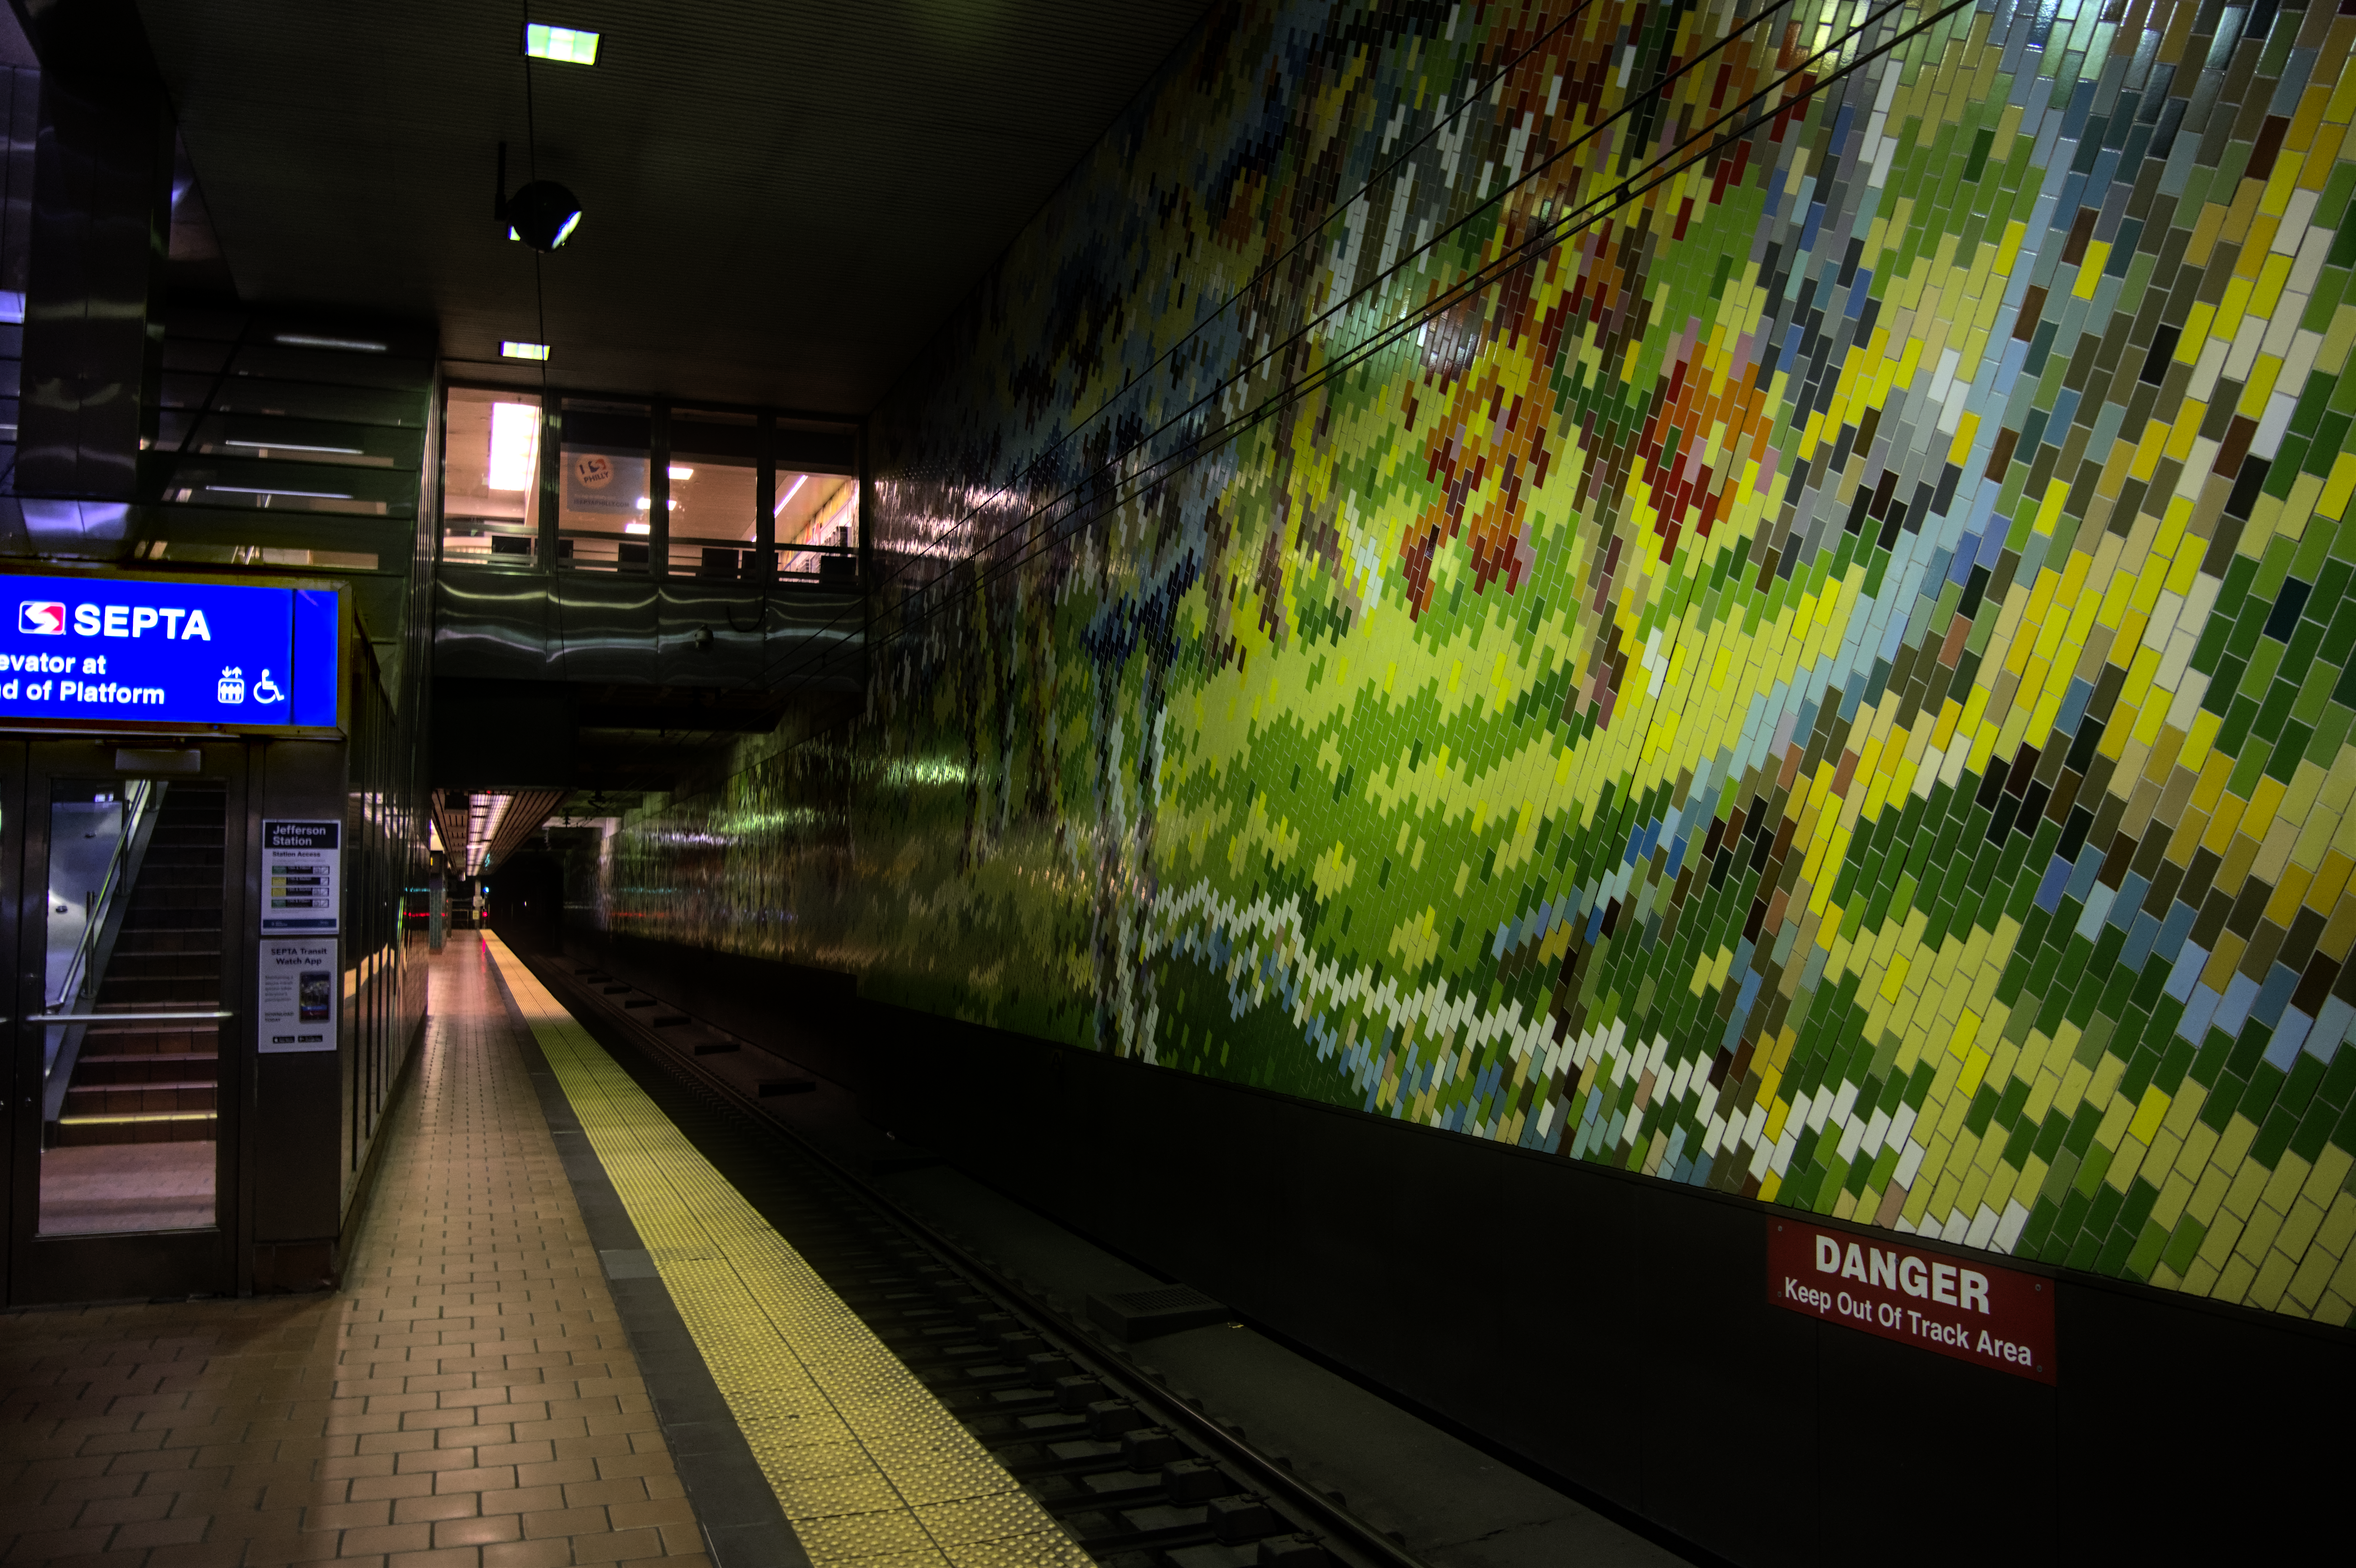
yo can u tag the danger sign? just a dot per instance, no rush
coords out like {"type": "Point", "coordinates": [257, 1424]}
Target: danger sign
{"type": "Point", "coordinates": [1975, 1312]}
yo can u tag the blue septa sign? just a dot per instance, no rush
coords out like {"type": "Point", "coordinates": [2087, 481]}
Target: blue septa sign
{"type": "Point", "coordinates": [146, 650]}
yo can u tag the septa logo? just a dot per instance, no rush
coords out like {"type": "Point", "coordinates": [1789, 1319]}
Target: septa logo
{"type": "Point", "coordinates": [41, 618]}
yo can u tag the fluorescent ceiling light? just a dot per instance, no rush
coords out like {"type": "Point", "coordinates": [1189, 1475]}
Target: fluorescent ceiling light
{"type": "Point", "coordinates": [524, 350]}
{"type": "Point", "coordinates": [358, 345]}
{"type": "Point", "coordinates": [638, 527]}
{"type": "Point", "coordinates": [800, 480]}
{"type": "Point", "coordinates": [290, 446]}
{"type": "Point", "coordinates": [569, 45]}
{"type": "Point", "coordinates": [681, 471]}
{"type": "Point", "coordinates": [669, 504]}
{"type": "Point", "coordinates": [515, 446]}
{"type": "Point", "coordinates": [261, 490]}
{"type": "Point", "coordinates": [484, 815]}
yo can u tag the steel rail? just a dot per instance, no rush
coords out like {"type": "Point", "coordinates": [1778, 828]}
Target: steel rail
{"type": "Point", "coordinates": [1355, 1538]}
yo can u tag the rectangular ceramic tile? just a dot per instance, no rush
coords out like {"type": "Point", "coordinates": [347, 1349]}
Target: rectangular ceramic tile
{"type": "Point", "coordinates": [1650, 584]}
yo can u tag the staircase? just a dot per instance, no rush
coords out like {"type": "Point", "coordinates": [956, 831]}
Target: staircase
{"type": "Point", "coordinates": [138, 1082]}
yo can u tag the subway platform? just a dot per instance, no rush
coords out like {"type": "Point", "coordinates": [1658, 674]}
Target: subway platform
{"type": "Point", "coordinates": [472, 1398]}
{"type": "Point", "coordinates": [573, 1333]}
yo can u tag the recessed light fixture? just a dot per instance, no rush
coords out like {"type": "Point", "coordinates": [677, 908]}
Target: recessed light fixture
{"type": "Point", "coordinates": [570, 46]}
{"type": "Point", "coordinates": [290, 446]}
{"type": "Point", "coordinates": [524, 350]}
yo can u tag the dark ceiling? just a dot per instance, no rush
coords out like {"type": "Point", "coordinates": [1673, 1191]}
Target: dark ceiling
{"type": "Point", "coordinates": [782, 200]}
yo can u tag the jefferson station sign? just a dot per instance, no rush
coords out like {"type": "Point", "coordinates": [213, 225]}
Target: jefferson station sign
{"type": "Point", "coordinates": [1976, 1312]}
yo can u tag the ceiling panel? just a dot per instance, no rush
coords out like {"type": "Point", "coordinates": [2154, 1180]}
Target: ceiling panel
{"type": "Point", "coordinates": [782, 200]}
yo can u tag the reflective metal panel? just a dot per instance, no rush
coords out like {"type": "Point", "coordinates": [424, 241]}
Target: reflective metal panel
{"type": "Point", "coordinates": [491, 625]}
{"type": "Point", "coordinates": [605, 628]}
{"type": "Point", "coordinates": [817, 641]}
{"type": "Point", "coordinates": [101, 197]}
{"type": "Point", "coordinates": [710, 634]}
{"type": "Point", "coordinates": [503, 626]}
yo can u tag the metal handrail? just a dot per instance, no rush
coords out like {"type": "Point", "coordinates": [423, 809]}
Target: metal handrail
{"type": "Point", "coordinates": [119, 1018]}
{"type": "Point", "coordinates": [134, 807]}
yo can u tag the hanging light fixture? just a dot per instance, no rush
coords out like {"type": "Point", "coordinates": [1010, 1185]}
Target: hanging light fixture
{"type": "Point", "coordinates": [542, 214]}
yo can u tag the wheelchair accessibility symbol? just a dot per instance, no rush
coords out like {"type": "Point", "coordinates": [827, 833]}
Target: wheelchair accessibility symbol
{"type": "Point", "coordinates": [267, 690]}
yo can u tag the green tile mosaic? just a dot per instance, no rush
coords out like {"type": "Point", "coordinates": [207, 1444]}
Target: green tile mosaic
{"type": "Point", "coordinates": [1751, 592]}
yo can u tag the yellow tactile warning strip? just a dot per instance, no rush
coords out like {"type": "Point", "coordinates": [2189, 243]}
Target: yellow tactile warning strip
{"type": "Point", "coordinates": [868, 1466]}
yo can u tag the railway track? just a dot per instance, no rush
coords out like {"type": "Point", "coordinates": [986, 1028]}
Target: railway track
{"type": "Point", "coordinates": [1136, 1474]}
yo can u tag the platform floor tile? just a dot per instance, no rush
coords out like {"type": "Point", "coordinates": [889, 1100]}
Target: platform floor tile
{"type": "Point", "coordinates": [869, 1466]}
{"type": "Point", "coordinates": [466, 1400]}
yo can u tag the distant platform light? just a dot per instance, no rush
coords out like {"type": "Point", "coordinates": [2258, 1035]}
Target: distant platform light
{"type": "Point", "coordinates": [524, 350]}
{"type": "Point", "coordinates": [570, 46]}
{"type": "Point", "coordinates": [352, 345]}
{"type": "Point", "coordinates": [543, 215]}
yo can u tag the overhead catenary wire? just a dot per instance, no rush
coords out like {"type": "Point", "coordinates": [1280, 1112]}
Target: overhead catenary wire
{"type": "Point", "coordinates": [1652, 93]}
{"type": "Point", "coordinates": [1619, 197]}
{"type": "Point", "coordinates": [539, 490]}
{"type": "Point", "coordinates": [1342, 204]}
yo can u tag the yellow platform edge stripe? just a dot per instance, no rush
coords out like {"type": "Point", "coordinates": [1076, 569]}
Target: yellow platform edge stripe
{"type": "Point", "coordinates": [869, 1467]}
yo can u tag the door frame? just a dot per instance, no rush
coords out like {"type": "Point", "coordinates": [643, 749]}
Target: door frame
{"type": "Point", "coordinates": [131, 1265]}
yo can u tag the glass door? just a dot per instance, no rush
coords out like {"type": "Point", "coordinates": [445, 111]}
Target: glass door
{"type": "Point", "coordinates": [128, 913]}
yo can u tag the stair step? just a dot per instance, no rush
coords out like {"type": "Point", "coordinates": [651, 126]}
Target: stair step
{"type": "Point", "coordinates": [150, 1059]}
{"type": "Point", "coordinates": [166, 959]}
{"type": "Point", "coordinates": [141, 993]}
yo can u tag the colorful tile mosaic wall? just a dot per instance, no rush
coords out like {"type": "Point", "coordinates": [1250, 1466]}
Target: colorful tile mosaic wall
{"type": "Point", "coordinates": [1758, 592]}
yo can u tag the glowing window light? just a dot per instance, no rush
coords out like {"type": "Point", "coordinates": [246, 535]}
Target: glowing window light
{"type": "Point", "coordinates": [515, 446]}
{"type": "Point", "coordinates": [569, 46]}
{"type": "Point", "coordinates": [524, 350]}
{"type": "Point", "coordinates": [799, 481]}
